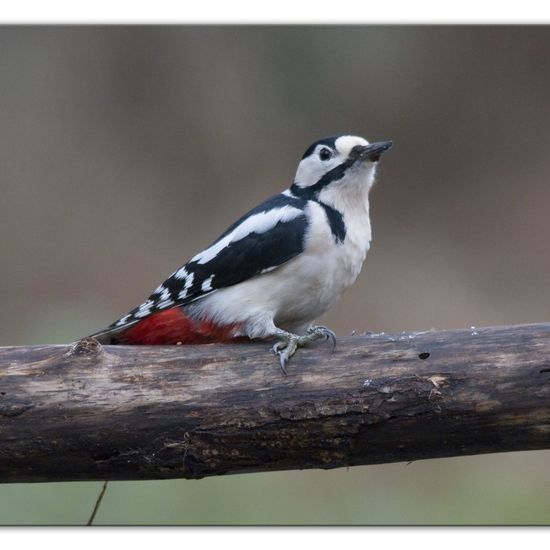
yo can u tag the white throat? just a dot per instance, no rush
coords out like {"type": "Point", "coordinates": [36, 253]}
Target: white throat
{"type": "Point", "coordinates": [351, 194]}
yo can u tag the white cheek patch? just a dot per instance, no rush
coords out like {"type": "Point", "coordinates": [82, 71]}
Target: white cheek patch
{"type": "Point", "coordinates": [311, 169]}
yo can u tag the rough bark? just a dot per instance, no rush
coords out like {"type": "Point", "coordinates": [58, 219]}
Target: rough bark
{"type": "Point", "coordinates": [88, 412]}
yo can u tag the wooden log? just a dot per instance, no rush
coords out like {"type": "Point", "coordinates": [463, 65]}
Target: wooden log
{"type": "Point", "coordinates": [88, 412]}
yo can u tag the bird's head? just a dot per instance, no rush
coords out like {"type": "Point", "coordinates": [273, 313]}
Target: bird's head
{"type": "Point", "coordinates": [344, 163]}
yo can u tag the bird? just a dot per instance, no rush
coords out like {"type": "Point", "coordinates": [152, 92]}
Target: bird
{"type": "Point", "coordinates": [278, 268]}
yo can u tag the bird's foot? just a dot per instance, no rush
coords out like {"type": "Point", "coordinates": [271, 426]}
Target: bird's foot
{"type": "Point", "coordinates": [289, 342]}
{"type": "Point", "coordinates": [319, 332]}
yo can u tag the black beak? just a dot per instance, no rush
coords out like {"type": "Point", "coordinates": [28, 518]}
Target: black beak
{"type": "Point", "coordinates": [371, 152]}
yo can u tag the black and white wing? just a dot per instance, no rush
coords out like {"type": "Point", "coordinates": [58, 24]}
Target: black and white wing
{"type": "Point", "coordinates": [260, 241]}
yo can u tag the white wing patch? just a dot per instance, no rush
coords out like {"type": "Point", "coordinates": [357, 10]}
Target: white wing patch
{"type": "Point", "coordinates": [165, 303]}
{"type": "Point", "coordinates": [258, 223]}
{"type": "Point", "coordinates": [189, 277]}
{"type": "Point", "coordinates": [181, 273]}
{"type": "Point", "coordinates": [144, 309]}
{"type": "Point", "coordinates": [123, 320]}
{"type": "Point", "coordinates": [207, 284]}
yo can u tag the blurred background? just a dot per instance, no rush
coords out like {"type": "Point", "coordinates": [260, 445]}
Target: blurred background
{"type": "Point", "coordinates": [126, 150]}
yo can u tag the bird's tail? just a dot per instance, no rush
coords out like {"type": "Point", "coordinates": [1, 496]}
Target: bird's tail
{"type": "Point", "coordinates": [167, 327]}
{"type": "Point", "coordinates": [108, 337]}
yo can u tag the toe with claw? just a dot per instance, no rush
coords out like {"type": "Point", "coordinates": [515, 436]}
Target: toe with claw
{"type": "Point", "coordinates": [318, 332]}
{"type": "Point", "coordinates": [289, 342]}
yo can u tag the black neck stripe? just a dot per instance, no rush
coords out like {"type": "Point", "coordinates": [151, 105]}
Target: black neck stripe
{"type": "Point", "coordinates": [337, 173]}
{"type": "Point", "coordinates": [336, 222]}
{"type": "Point", "coordinates": [335, 218]}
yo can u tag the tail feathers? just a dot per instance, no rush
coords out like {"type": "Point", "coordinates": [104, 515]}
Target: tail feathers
{"type": "Point", "coordinates": [109, 336]}
{"type": "Point", "coordinates": [171, 326]}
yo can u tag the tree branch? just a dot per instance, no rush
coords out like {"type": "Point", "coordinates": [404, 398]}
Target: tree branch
{"type": "Point", "coordinates": [88, 412]}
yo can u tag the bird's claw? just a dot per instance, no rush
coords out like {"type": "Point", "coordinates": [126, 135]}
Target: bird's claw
{"type": "Point", "coordinates": [278, 346]}
{"type": "Point", "coordinates": [287, 347]}
{"type": "Point", "coordinates": [317, 332]}
{"type": "Point", "coordinates": [283, 358]}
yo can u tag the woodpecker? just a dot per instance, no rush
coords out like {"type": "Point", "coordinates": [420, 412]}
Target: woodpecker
{"type": "Point", "coordinates": [277, 268]}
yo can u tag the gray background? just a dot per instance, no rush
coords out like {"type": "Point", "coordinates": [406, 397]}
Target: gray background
{"type": "Point", "coordinates": [126, 150]}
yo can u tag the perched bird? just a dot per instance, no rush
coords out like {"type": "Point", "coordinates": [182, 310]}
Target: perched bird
{"type": "Point", "coordinates": [276, 269]}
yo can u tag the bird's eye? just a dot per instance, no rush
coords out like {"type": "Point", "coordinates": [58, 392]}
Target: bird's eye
{"type": "Point", "coordinates": [325, 154]}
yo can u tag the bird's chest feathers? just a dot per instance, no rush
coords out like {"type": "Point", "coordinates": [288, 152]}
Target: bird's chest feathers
{"type": "Point", "coordinates": [353, 207]}
{"type": "Point", "coordinates": [340, 256]}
